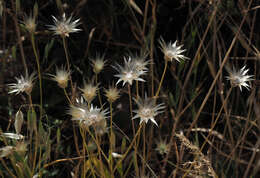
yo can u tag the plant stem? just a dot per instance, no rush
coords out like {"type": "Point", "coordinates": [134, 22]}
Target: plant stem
{"type": "Point", "coordinates": [99, 96]}
{"type": "Point", "coordinates": [129, 147]}
{"type": "Point", "coordinates": [66, 94]}
{"type": "Point", "coordinates": [39, 70]}
{"type": "Point", "coordinates": [111, 140]}
{"type": "Point", "coordinates": [133, 128]}
{"type": "Point", "coordinates": [164, 71]}
{"type": "Point", "coordinates": [67, 59]}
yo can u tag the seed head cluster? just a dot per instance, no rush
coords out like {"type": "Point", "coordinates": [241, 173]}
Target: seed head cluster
{"type": "Point", "coordinates": [86, 117]}
{"type": "Point", "coordinates": [239, 78]}
{"type": "Point", "coordinates": [147, 109]}
{"type": "Point", "coordinates": [61, 77]}
{"type": "Point", "coordinates": [89, 91]}
{"type": "Point", "coordinates": [23, 84]}
{"type": "Point", "coordinates": [64, 26]}
{"type": "Point", "coordinates": [129, 72]}
{"type": "Point", "coordinates": [172, 51]}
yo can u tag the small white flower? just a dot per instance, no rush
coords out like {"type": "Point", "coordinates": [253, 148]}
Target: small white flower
{"type": "Point", "coordinates": [24, 84]}
{"type": "Point", "coordinates": [139, 61]}
{"type": "Point", "coordinates": [112, 94]}
{"type": "Point", "coordinates": [98, 63]}
{"type": "Point", "coordinates": [172, 51]}
{"type": "Point", "coordinates": [29, 23]}
{"type": "Point", "coordinates": [61, 77]}
{"type": "Point", "coordinates": [64, 26]}
{"type": "Point", "coordinates": [162, 147]}
{"type": "Point", "coordinates": [129, 72]}
{"type": "Point", "coordinates": [147, 109]}
{"type": "Point", "coordinates": [89, 91]}
{"type": "Point", "coordinates": [93, 116]}
{"type": "Point", "coordinates": [239, 78]}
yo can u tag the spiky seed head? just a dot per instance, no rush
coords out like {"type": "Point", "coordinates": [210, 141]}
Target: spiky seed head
{"type": "Point", "coordinates": [24, 84]}
{"type": "Point", "coordinates": [30, 23]}
{"type": "Point", "coordinates": [112, 94]}
{"type": "Point", "coordinates": [98, 63]}
{"type": "Point", "coordinates": [139, 61]}
{"type": "Point", "coordinates": [239, 78]}
{"type": "Point", "coordinates": [128, 73]}
{"type": "Point", "coordinates": [162, 147]}
{"type": "Point", "coordinates": [89, 91]}
{"type": "Point", "coordinates": [101, 127]}
{"type": "Point", "coordinates": [61, 77]}
{"type": "Point", "coordinates": [64, 26]}
{"type": "Point", "coordinates": [147, 109]}
{"type": "Point", "coordinates": [172, 50]}
{"type": "Point", "coordinates": [86, 117]}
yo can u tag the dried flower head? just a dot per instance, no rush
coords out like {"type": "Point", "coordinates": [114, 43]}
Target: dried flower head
{"type": "Point", "coordinates": [93, 116]}
{"type": "Point", "coordinates": [89, 91]}
{"type": "Point", "coordinates": [139, 61]}
{"type": "Point", "coordinates": [61, 77]}
{"type": "Point", "coordinates": [112, 94]}
{"type": "Point", "coordinates": [128, 72]}
{"type": "Point", "coordinates": [147, 109]}
{"type": "Point", "coordinates": [172, 51]}
{"type": "Point", "coordinates": [64, 26]}
{"type": "Point", "coordinates": [239, 78]}
{"type": "Point", "coordinates": [162, 147]}
{"type": "Point", "coordinates": [24, 84]}
{"type": "Point", "coordinates": [101, 127]}
{"type": "Point", "coordinates": [98, 63]}
{"type": "Point", "coordinates": [29, 23]}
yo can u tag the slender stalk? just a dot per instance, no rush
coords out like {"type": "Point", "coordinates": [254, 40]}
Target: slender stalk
{"type": "Point", "coordinates": [99, 96]}
{"type": "Point", "coordinates": [111, 137]}
{"type": "Point", "coordinates": [99, 154]}
{"type": "Point", "coordinates": [67, 59]}
{"type": "Point", "coordinates": [162, 78]}
{"type": "Point", "coordinates": [129, 147]}
{"type": "Point", "coordinates": [130, 107]}
{"type": "Point", "coordinates": [84, 149]}
{"type": "Point", "coordinates": [137, 89]}
{"type": "Point", "coordinates": [212, 127]}
{"type": "Point", "coordinates": [38, 69]}
{"type": "Point", "coordinates": [67, 96]}
{"type": "Point", "coordinates": [133, 128]}
{"type": "Point", "coordinates": [144, 151]}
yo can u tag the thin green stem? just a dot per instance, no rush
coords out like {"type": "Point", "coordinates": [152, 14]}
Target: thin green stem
{"type": "Point", "coordinates": [144, 152]}
{"type": "Point", "coordinates": [133, 128]}
{"type": "Point", "coordinates": [218, 116]}
{"type": "Point", "coordinates": [99, 96]}
{"type": "Point", "coordinates": [84, 149]}
{"type": "Point", "coordinates": [129, 147]}
{"type": "Point", "coordinates": [67, 96]}
{"type": "Point", "coordinates": [67, 58]}
{"type": "Point", "coordinates": [38, 68]}
{"type": "Point", "coordinates": [162, 78]}
{"type": "Point", "coordinates": [111, 140]}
